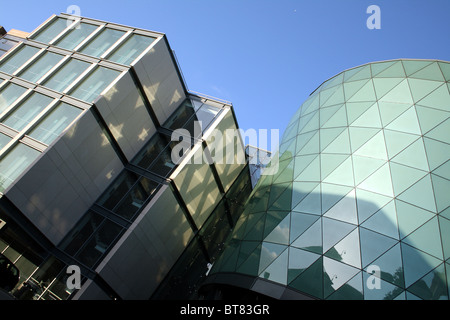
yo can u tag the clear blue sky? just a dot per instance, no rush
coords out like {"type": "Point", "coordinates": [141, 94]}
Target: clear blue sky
{"type": "Point", "coordinates": [265, 56]}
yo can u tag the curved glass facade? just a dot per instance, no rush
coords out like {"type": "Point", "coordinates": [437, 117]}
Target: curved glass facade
{"type": "Point", "coordinates": [360, 206]}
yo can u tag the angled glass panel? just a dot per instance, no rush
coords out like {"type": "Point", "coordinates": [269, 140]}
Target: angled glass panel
{"type": "Point", "coordinates": [14, 163]}
{"type": "Point", "coordinates": [40, 67]}
{"type": "Point", "coordinates": [9, 94]}
{"type": "Point", "coordinates": [94, 84]}
{"type": "Point", "coordinates": [4, 140]}
{"type": "Point", "coordinates": [131, 49]}
{"type": "Point", "coordinates": [65, 76]}
{"type": "Point", "coordinates": [373, 245]}
{"type": "Point", "coordinates": [118, 190]}
{"type": "Point", "coordinates": [277, 270]}
{"type": "Point", "coordinates": [102, 42]}
{"type": "Point", "coordinates": [51, 30]}
{"type": "Point", "coordinates": [17, 59]}
{"type": "Point", "coordinates": [27, 111]}
{"type": "Point", "coordinates": [335, 274]}
{"type": "Point", "coordinates": [311, 280]}
{"type": "Point", "coordinates": [55, 123]}
{"type": "Point", "coordinates": [74, 37]}
{"type": "Point", "coordinates": [81, 233]}
{"type": "Point", "coordinates": [99, 243]}
{"type": "Point", "coordinates": [136, 198]}
{"type": "Point", "coordinates": [299, 260]}
{"type": "Point", "coordinates": [433, 286]}
{"type": "Point", "coordinates": [427, 238]}
{"type": "Point", "coordinates": [416, 263]}
{"type": "Point", "coordinates": [391, 266]}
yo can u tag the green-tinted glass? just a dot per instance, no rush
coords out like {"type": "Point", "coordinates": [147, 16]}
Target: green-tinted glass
{"type": "Point", "coordinates": [27, 111]}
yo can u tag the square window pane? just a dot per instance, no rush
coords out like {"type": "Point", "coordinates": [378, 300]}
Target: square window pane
{"type": "Point", "coordinates": [9, 94]}
{"type": "Point", "coordinates": [76, 36]}
{"type": "Point", "coordinates": [40, 67]}
{"type": "Point", "coordinates": [26, 111]}
{"type": "Point", "coordinates": [52, 30]}
{"type": "Point", "coordinates": [131, 49]}
{"type": "Point", "coordinates": [55, 123]}
{"type": "Point", "coordinates": [66, 75]}
{"type": "Point", "coordinates": [17, 59]}
{"type": "Point", "coordinates": [102, 42]}
{"type": "Point", "coordinates": [93, 86]}
{"type": "Point", "coordinates": [14, 163]}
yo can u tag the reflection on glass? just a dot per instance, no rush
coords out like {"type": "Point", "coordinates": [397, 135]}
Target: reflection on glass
{"type": "Point", "coordinates": [128, 194]}
{"type": "Point", "coordinates": [93, 86]}
{"type": "Point", "coordinates": [52, 30]}
{"type": "Point", "coordinates": [157, 156]}
{"type": "Point", "coordinates": [55, 123]}
{"type": "Point", "coordinates": [76, 36]}
{"type": "Point", "coordinates": [116, 191]}
{"type": "Point", "coordinates": [14, 163]}
{"type": "Point", "coordinates": [83, 230]}
{"type": "Point", "coordinates": [66, 75]}
{"type": "Point", "coordinates": [40, 67]}
{"type": "Point", "coordinates": [189, 116]}
{"type": "Point", "coordinates": [102, 42]}
{"type": "Point", "coordinates": [131, 49]}
{"type": "Point", "coordinates": [99, 243]}
{"type": "Point", "coordinates": [26, 111]}
{"type": "Point", "coordinates": [9, 94]}
{"type": "Point", "coordinates": [136, 198]}
{"type": "Point", "coordinates": [17, 59]}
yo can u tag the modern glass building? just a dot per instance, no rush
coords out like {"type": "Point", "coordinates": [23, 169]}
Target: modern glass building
{"type": "Point", "coordinates": [360, 207]}
{"type": "Point", "coordinates": [91, 116]}
{"type": "Point", "coordinates": [88, 113]}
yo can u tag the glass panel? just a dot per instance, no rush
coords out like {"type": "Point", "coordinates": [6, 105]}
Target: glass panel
{"type": "Point", "coordinates": [17, 59]}
{"type": "Point", "coordinates": [40, 67]}
{"type": "Point", "coordinates": [102, 42]}
{"type": "Point", "coordinates": [99, 243]}
{"type": "Point", "coordinates": [115, 193]}
{"type": "Point", "coordinates": [52, 30]}
{"type": "Point", "coordinates": [180, 116]}
{"type": "Point", "coordinates": [81, 233]}
{"type": "Point", "coordinates": [76, 36]}
{"type": "Point", "coordinates": [93, 86]}
{"type": "Point", "coordinates": [136, 198]}
{"type": "Point", "coordinates": [55, 123]}
{"type": "Point", "coordinates": [66, 75]}
{"type": "Point", "coordinates": [4, 140]}
{"type": "Point", "coordinates": [14, 163]}
{"type": "Point", "coordinates": [206, 114]}
{"type": "Point", "coordinates": [27, 110]}
{"type": "Point", "coordinates": [157, 156]}
{"type": "Point", "coordinates": [131, 49]}
{"type": "Point", "coordinates": [9, 94]}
